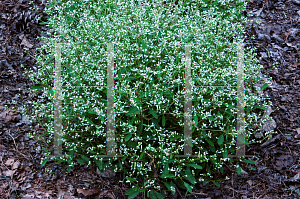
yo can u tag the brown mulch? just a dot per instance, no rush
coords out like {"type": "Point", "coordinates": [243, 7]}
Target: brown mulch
{"type": "Point", "coordinates": [22, 175]}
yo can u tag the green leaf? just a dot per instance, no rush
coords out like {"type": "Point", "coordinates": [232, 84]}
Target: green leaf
{"type": "Point", "coordinates": [44, 134]}
{"type": "Point", "coordinates": [69, 160]}
{"type": "Point", "coordinates": [238, 169]}
{"type": "Point", "coordinates": [189, 188]}
{"type": "Point", "coordinates": [161, 94]}
{"type": "Point", "coordinates": [48, 60]}
{"type": "Point", "coordinates": [59, 161]}
{"type": "Point", "coordinates": [169, 186]}
{"type": "Point", "coordinates": [132, 193]}
{"type": "Point", "coordinates": [143, 190]}
{"type": "Point", "coordinates": [85, 158]}
{"type": "Point", "coordinates": [131, 179]}
{"type": "Point", "coordinates": [51, 92]}
{"type": "Point", "coordinates": [175, 137]}
{"type": "Point", "coordinates": [132, 77]}
{"type": "Point", "coordinates": [158, 195]}
{"type": "Point", "coordinates": [166, 171]}
{"type": "Point", "coordinates": [142, 155]}
{"type": "Point", "coordinates": [132, 111]}
{"type": "Point", "coordinates": [152, 195]}
{"type": "Point", "coordinates": [137, 100]}
{"type": "Point", "coordinates": [195, 166]}
{"type": "Point", "coordinates": [210, 142]}
{"type": "Point", "coordinates": [121, 92]}
{"type": "Point", "coordinates": [225, 154]}
{"type": "Point", "coordinates": [90, 121]}
{"type": "Point", "coordinates": [171, 176]}
{"type": "Point", "coordinates": [222, 170]}
{"type": "Point", "coordinates": [140, 128]}
{"type": "Point", "coordinates": [128, 137]}
{"type": "Point", "coordinates": [264, 86]}
{"type": "Point", "coordinates": [80, 161]}
{"type": "Point", "coordinates": [213, 161]}
{"type": "Point", "coordinates": [196, 119]}
{"type": "Point", "coordinates": [71, 153]}
{"type": "Point", "coordinates": [100, 166]}
{"type": "Point", "coordinates": [249, 161]}
{"type": "Point", "coordinates": [38, 87]}
{"type": "Point", "coordinates": [92, 112]}
{"type": "Point", "coordinates": [246, 142]}
{"type": "Point", "coordinates": [153, 113]}
{"type": "Point", "coordinates": [219, 114]}
{"type": "Point", "coordinates": [102, 119]}
{"type": "Point", "coordinates": [217, 184]}
{"type": "Point", "coordinates": [212, 148]}
{"type": "Point", "coordinates": [163, 120]}
{"type": "Point", "coordinates": [221, 140]}
{"type": "Point", "coordinates": [98, 162]}
{"type": "Point", "coordinates": [43, 23]}
{"type": "Point", "coordinates": [168, 95]}
{"type": "Point", "coordinates": [144, 45]}
{"type": "Point", "coordinates": [190, 177]}
{"type": "Point", "coordinates": [145, 183]}
{"type": "Point", "coordinates": [211, 118]}
{"type": "Point", "coordinates": [44, 162]}
{"type": "Point", "coordinates": [155, 121]}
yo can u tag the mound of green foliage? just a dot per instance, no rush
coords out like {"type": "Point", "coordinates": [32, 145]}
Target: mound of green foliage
{"type": "Point", "coordinates": [149, 57]}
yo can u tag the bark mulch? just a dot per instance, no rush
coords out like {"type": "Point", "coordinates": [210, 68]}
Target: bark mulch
{"type": "Point", "coordinates": [276, 175]}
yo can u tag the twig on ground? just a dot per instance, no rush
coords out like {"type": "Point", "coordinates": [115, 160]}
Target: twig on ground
{"type": "Point", "coordinates": [13, 138]}
{"type": "Point", "coordinates": [16, 145]}
{"type": "Point", "coordinates": [20, 153]}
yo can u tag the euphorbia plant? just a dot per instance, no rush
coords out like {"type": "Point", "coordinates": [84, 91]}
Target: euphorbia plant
{"type": "Point", "coordinates": [149, 85]}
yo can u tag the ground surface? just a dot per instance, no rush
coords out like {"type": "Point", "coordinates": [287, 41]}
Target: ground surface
{"type": "Point", "coordinates": [278, 166]}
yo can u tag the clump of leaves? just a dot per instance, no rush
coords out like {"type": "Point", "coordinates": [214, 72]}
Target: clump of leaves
{"type": "Point", "coordinates": [149, 85]}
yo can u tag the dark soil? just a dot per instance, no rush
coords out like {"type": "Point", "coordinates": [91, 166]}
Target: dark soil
{"type": "Point", "coordinates": [274, 176]}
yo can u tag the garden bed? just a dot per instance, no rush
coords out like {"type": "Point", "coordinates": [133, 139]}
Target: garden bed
{"type": "Point", "coordinates": [273, 176]}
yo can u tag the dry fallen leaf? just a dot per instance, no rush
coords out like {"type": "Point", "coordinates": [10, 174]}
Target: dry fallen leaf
{"type": "Point", "coordinates": [26, 43]}
{"type": "Point", "coordinates": [15, 165]}
{"type": "Point", "coordinates": [9, 162]}
{"type": "Point", "coordinates": [8, 173]}
{"type": "Point", "coordinates": [89, 192]}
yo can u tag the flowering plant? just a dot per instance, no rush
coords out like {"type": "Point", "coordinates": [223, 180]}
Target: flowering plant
{"type": "Point", "coordinates": [149, 77]}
